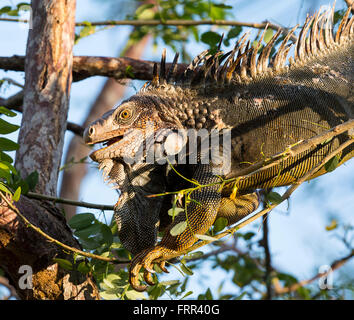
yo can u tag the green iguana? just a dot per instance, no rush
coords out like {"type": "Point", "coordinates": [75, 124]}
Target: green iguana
{"type": "Point", "coordinates": [265, 104]}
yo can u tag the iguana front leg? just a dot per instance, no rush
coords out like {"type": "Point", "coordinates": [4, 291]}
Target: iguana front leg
{"type": "Point", "coordinates": [199, 215]}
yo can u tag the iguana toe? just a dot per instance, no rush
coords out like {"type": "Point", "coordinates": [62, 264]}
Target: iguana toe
{"type": "Point", "coordinates": [162, 266]}
{"type": "Point", "coordinates": [145, 260]}
{"type": "Point", "coordinates": [148, 278]}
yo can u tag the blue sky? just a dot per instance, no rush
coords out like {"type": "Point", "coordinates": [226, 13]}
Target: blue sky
{"type": "Point", "coordinates": [298, 239]}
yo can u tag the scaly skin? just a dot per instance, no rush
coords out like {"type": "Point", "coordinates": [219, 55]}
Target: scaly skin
{"type": "Point", "coordinates": [266, 109]}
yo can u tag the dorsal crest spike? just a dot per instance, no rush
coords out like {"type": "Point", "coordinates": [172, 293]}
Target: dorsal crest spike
{"type": "Point", "coordinates": [173, 68]}
{"type": "Point", "coordinates": [263, 59]}
{"type": "Point", "coordinates": [279, 56]}
{"type": "Point", "coordinates": [255, 52]}
{"type": "Point", "coordinates": [163, 66]}
{"type": "Point", "coordinates": [155, 76]}
{"type": "Point", "coordinates": [244, 64]}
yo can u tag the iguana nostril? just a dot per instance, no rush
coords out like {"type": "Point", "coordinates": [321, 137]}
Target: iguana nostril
{"type": "Point", "coordinates": [91, 131]}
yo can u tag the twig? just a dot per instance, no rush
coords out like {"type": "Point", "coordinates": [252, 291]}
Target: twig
{"type": "Point", "coordinates": [186, 23]}
{"type": "Point", "coordinates": [88, 66]}
{"type": "Point", "coordinates": [268, 266]}
{"type": "Point", "coordinates": [63, 245]}
{"type": "Point", "coordinates": [39, 196]}
{"type": "Point", "coordinates": [335, 265]}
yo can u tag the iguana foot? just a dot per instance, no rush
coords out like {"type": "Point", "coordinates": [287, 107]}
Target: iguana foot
{"type": "Point", "coordinates": [145, 259]}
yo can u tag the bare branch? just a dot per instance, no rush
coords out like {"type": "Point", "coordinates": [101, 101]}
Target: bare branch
{"type": "Point", "coordinates": [51, 239]}
{"type": "Point", "coordinates": [185, 23]}
{"type": "Point", "coordinates": [39, 196]}
{"type": "Point", "coordinates": [335, 265]}
{"type": "Point", "coordinates": [85, 67]}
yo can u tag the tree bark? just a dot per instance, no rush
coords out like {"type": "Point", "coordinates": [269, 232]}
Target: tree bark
{"type": "Point", "coordinates": [89, 66]}
{"type": "Point", "coordinates": [22, 246]}
{"type": "Point", "coordinates": [48, 74]}
{"type": "Point", "coordinates": [48, 77]}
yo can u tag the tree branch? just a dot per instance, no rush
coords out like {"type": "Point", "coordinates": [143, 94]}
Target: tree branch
{"type": "Point", "coordinates": [268, 265]}
{"type": "Point", "coordinates": [335, 265]}
{"type": "Point", "coordinates": [51, 239]}
{"type": "Point", "coordinates": [39, 196]}
{"type": "Point", "coordinates": [185, 23]}
{"type": "Point", "coordinates": [88, 66]}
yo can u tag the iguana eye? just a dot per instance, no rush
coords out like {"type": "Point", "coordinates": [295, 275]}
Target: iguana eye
{"type": "Point", "coordinates": [124, 115]}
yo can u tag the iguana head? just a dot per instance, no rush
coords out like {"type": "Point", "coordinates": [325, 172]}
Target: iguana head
{"type": "Point", "coordinates": [134, 127]}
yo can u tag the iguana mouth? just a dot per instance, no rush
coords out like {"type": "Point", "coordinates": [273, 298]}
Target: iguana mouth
{"type": "Point", "coordinates": [111, 141]}
{"type": "Point", "coordinates": [106, 144]}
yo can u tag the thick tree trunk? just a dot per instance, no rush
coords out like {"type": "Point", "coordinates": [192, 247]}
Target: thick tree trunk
{"type": "Point", "coordinates": [48, 73]}
{"type": "Point", "coordinates": [46, 97]}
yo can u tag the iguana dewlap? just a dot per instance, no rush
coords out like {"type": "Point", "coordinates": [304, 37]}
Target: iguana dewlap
{"type": "Point", "coordinates": [265, 103]}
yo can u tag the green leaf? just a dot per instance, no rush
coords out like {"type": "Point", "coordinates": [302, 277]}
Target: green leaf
{"type": "Point", "coordinates": [220, 224]}
{"type": "Point", "coordinates": [241, 296]}
{"type": "Point", "coordinates": [248, 235]}
{"type": "Point", "coordinates": [7, 112]}
{"type": "Point", "coordinates": [5, 9]}
{"type": "Point", "coordinates": [135, 295]}
{"type": "Point", "coordinates": [331, 164]}
{"type": "Point", "coordinates": [186, 270]}
{"type": "Point", "coordinates": [81, 221]}
{"type": "Point", "coordinates": [83, 267]}
{"type": "Point", "coordinates": [173, 212]}
{"type": "Point", "coordinates": [91, 231]}
{"type": "Point", "coordinates": [5, 157]}
{"type": "Point", "coordinates": [211, 38]}
{"type": "Point", "coordinates": [221, 6]}
{"type": "Point", "coordinates": [186, 295]}
{"type": "Point", "coordinates": [64, 264]}
{"type": "Point", "coordinates": [168, 283]}
{"type": "Point", "coordinates": [143, 7]}
{"type": "Point", "coordinates": [107, 295]}
{"type": "Point", "coordinates": [106, 234]}
{"type": "Point", "coordinates": [32, 180]}
{"type": "Point", "coordinates": [205, 237]}
{"type": "Point", "coordinates": [234, 32]}
{"type": "Point", "coordinates": [274, 197]}
{"type": "Point", "coordinates": [6, 127]}
{"type": "Point", "coordinates": [90, 243]}
{"type": "Point", "coordinates": [178, 228]}
{"type": "Point", "coordinates": [193, 255]}
{"type": "Point", "coordinates": [268, 35]}
{"type": "Point", "coordinates": [17, 194]}
{"type": "Point", "coordinates": [208, 295]}
{"type": "Point", "coordinates": [5, 174]}
{"type": "Point", "coordinates": [4, 188]}
{"type": "Point", "coordinates": [8, 145]}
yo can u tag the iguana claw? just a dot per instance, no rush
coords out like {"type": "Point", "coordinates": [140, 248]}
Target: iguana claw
{"type": "Point", "coordinates": [145, 260]}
